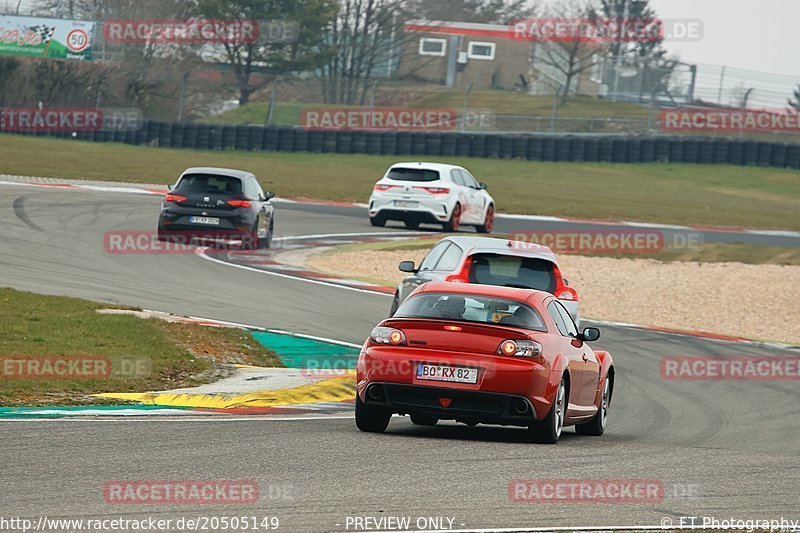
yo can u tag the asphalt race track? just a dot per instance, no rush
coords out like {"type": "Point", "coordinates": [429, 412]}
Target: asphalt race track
{"type": "Point", "coordinates": [510, 224]}
{"type": "Point", "coordinates": [723, 449]}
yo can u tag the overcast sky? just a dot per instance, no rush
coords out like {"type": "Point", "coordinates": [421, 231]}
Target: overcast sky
{"type": "Point", "coordinates": [758, 35]}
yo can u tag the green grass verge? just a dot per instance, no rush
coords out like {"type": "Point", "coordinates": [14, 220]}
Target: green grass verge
{"type": "Point", "coordinates": [518, 103]}
{"type": "Point", "coordinates": [144, 354]}
{"type": "Point", "coordinates": [286, 114]}
{"type": "Point", "coordinates": [497, 102]}
{"type": "Point", "coordinates": [716, 195]}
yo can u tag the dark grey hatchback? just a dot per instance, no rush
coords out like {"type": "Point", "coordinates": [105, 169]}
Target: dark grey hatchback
{"type": "Point", "coordinates": [217, 204]}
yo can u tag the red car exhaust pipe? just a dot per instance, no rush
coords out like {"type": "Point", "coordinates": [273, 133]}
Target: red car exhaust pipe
{"type": "Point", "coordinates": [375, 392]}
{"type": "Point", "coordinates": [521, 407]}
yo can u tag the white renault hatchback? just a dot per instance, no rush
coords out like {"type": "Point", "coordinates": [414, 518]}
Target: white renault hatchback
{"type": "Point", "coordinates": [431, 193]}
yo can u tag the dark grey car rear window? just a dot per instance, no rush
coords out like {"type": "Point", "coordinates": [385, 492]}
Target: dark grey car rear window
{"type": "Point", "coordinates": [210, 183]}
{"type": "Point", "coordinates": [511, 271]}
{"type": "Point", "coordinates": [412, 174]}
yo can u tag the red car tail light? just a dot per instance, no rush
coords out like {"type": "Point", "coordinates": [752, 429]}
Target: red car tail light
{"type": "Point", "coordinates": [567, 293]}
{"type": "Point", "coordinates": [174, 198]}
{"type": "Point", "coordinates": [383, 187]}
{"type": "Point", "coordinates": [521, 348]}
{"type": "Point", "coordinates": [507, 348]}
{"type": "Point", "coordinates": [240, 203]}
{"type": "Point", "coordinates": [435, 190]}
{"type": "Point", "coordinates": [462, 275]}
{"type": "Point", "coordinates": [383, 335]}
{"type": "Point", "coordinates": [563, 291]}
{"type": "Point", "coordinates": [452, 328]}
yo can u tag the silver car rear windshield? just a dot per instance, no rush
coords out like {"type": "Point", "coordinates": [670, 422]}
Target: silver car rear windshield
{"type": "Point", "coordinates": [512, 271]}
{"type": "Point", "coordinates": [471, 308]}
{"type": "Point", "coordinates": [413, 174]}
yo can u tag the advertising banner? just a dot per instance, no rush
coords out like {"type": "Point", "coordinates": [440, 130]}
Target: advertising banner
{"type": "Point", "coordinates": [46, 38]}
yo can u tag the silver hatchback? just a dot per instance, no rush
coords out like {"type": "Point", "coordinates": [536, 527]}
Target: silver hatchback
{"type": "Point", "coordinates": [489, 261]}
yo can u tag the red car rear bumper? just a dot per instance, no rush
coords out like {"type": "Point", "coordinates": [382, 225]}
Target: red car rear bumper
{"type": "Point", "coordinates": [509, 390]}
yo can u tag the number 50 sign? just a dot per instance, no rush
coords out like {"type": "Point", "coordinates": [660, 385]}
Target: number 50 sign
{"type": "Point", "coordinates": [77, 40]}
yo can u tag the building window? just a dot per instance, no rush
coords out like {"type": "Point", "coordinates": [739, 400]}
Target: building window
{"type": "Point", "coordinates": [598, 66]}
{"type": "Point", "coordinates": [432, 47]}
{"type": "Point", "coordinates": [479, 50]}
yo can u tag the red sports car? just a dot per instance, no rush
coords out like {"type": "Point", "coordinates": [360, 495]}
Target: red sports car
{"type": "Point", "coordinates": [484, 354]}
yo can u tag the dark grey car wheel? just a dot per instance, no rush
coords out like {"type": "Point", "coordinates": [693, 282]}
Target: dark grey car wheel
{"type": "Point", "coordinates": [266, 242]}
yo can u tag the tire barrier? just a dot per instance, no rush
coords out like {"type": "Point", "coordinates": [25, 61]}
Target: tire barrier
{"type": "Point", "coordinates": [532, 147]}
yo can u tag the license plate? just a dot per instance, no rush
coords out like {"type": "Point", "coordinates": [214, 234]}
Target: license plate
{"type": "Point", "coordinates": [447, 373]}
{"type": "Point", "coordinates": [204, 220]}
{"type": "Point", "coordinates": [403, 203]}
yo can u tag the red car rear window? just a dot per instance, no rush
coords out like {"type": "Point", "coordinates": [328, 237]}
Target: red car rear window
{"type": "Point", "coordinates": [471, 308]}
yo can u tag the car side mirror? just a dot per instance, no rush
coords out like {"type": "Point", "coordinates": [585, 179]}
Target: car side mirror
{"type": "Point", "coordinates": [269, 195]}
{"type": "Point", "coordinates": [407, 266]}
{"type": "Point", "coordinates": [482, 186]}
{"type": "Point", "coordinates": [590, 334]}
{"type": "Point", "coordinates": [170, 186]}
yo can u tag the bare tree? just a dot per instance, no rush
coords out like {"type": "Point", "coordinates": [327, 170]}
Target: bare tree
{"type": "Point", "coordinates": [647, 49]}
{"type": "Point", "coordinates": [794, 104]}
{"type": "Point", "coordinates": [59, 82]}
{"type": "Point", "coordinates": [77, 9]}
{"type": "Point", "coordinates": [306, 52]}
{"type": "Point", "coordinates": [8, 69]}
{"type": "Point", "coordinates": [488, 11]}
{"type": "Point", "coordinates": [568, 57]}
{"type": "Point", "coordinates": [360, 38]}
{"type": "Point", "coordinates": [58, 8]}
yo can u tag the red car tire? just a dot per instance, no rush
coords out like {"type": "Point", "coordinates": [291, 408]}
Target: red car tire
{"type": "Point", "coordinates": [371, 419]}
{"type": "Point", "coordinates": [548, 431]}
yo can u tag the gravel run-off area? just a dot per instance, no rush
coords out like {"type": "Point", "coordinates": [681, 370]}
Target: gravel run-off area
{"type": "Point", "coordinates": [759, 302]}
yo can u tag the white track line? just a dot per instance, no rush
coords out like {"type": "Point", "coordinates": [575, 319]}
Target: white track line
{"type": "Point", "coordinates": [339, 235]}
{"type": "Point", "coordinates": [201, 253]}
{"type": "Point", "coordinates": [257, 328]}
{"type": "Point", "coordinates": [598, 529]}
{"type": "Point", "coordinates": [183, 418]}
{"type": "Point", "coordinates": [697, 335]}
